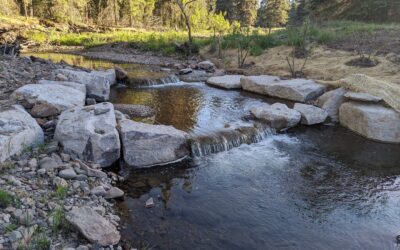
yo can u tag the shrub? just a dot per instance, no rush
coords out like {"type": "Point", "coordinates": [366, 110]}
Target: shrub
{"type": "Point", "coordinates": [6, 199]}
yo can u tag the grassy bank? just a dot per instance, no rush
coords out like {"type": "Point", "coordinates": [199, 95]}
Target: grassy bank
{"type": "Point", "coordinates": [164, 41]}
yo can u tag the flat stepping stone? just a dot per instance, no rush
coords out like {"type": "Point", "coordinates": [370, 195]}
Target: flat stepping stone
{"type": "Point", "coordinates": [226, 82]}
{"type": "Point", "coordinates": [362, 97]}
{"type": "Point", "coordinates": [300, 90]}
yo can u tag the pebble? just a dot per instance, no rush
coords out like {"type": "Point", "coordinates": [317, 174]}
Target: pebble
{"type": "Point", "coordinates": [149, 203]}
{"type": "Point", "coordinates": [113, 193]}
{"type": "Point", "coordinates": [98, 191]}
{"type": "Point", "coordinates": [60, 182]}
{"type": "Point", "coordinates": [67, 174]}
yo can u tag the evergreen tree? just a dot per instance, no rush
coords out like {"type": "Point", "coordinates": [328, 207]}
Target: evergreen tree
{"type": "Point", "coordinates": [273, 13]}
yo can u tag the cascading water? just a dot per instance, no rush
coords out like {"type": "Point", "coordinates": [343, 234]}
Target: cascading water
{"type": "Point", "coordinates": [145, 82]}
{"type": "Point", "coordinates": [227, 139]}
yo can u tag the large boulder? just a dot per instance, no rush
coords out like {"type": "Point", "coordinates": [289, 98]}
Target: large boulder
{"type": "Point", "coordinates": [97, 85]}
{"type": "Point", "coordinates": [300, 90]}
{"type": "Point", "coordinates": [277, 115]}
{"type": "Point", "coordinates": [90, 133]}
{"type": "Point", "coordinates": [145, 145]}
{"type": "Point", "coordinates": [74, 85]}
{"type": "Point", "coordinates": [331, 101]}
{"type": "Point", "coordinates": [310, 114]}
{"type": "Point", "coordinates": [227, 81]}
{"type": "Point", "coordinates": [373, 121]}
{"type": "Point", "coordinates": [93, 226]}
{"type": "Point", "coordinates": [18, 131]}
{"type": "Point", "coordinates": [49, 97]}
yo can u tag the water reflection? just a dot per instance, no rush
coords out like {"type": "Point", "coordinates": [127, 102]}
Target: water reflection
{"type": "Point", "coordinates": [282, 193]}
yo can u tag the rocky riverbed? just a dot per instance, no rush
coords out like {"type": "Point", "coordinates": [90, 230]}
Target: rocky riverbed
{"type": "Point", "coordinates": [60, 134]}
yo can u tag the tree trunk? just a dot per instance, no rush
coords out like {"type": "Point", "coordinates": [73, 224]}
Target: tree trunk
{"type": "Point", "coordinates": [130, 13]}
{"type": "Point", "coordinates": [115, 13]}
{"type": "Point", "coordinates": [188, 26]}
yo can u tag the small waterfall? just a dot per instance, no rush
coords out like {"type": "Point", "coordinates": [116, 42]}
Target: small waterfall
{"type": "Point", "coordinates": [145, 82]}
{"type": "Point", "coordinates": [224, 140]}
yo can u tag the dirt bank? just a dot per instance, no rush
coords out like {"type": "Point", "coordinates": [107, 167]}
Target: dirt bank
{"type": "Point", "coordinates": [325, 64]}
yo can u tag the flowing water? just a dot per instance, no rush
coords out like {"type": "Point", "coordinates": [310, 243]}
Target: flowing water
{"type": "Point", "coordinates": [248, 187]}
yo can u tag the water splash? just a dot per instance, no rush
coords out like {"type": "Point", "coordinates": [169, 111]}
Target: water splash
{"type": "Point", "coordinates": [227, 139]}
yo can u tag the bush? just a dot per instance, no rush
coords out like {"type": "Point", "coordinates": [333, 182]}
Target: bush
{"type": "Point", "coordinates": [6, 199]}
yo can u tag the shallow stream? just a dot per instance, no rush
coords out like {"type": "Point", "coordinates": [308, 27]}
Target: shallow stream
{"type": "Point", "coordinates": [319, 187]}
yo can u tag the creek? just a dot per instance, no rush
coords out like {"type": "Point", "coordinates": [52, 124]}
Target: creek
{"type": "Point", "coordinates": [248, 187]}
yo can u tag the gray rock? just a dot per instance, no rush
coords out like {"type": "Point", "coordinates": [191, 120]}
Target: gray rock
{"type": "Point", "coordinates": [362, 97]}
{"type": "Point", "coordinates": [300, 90]}
{"type": "Point", "coordinates": [93, 226]}
{"type": "Point", "coordinates": [90, 134]}
{"type": "Point", "coordinates": [310, 114]}
{"type": "Point", "coordinates": [90, 101]}
{"type": "Point", "coordinates": [146, 145]}
{"type": "Point", "coordinates": [277, 115]}
{"type": "Point", "coordinates": [196, 76]}
{"type": "Point", "coordinates": [15, 236]}
{"type": "Point", "coordinates": [67, 174]}
{"type": "Point", "coordinates": [92, 172]}
{"type": "Point", "coordinates": [372, 121]}
{"type": "Point", "coordinates": [98, 191]}
{"type": "Point", "coordinates": [18, 131]}
{"type": "Point", "coordinates": [149, 203]}
{"type": "Point", "coordinates": [135, 110]}
{"type": "Point", "coordinates": [55, 97]}
{"type": "Point", "coordinates": [109, 74]}
{"type": "Point", "coordinates": [24, 216]}
{"type": "Point", "coordinates": [207, 66]}
{"type": "Point", "coordinates": [65, 157]}
{"type": "Point", "coordinates": [227, 81]}
{"type": "Point", "coordinates": [120, 73]}
{"type": "Point", "coordinates": [74, 85]}
{"type": "Point", "coordinates": [60, 182]}
{"type": "Point", "coordinates": [33, 163]}
{"type": "Point", "coordinates": [113, 193]}
{"type": "Point", "coordinates": [97, 85]}
{"type": "Point", "coordinates": [185, 71]}
{"type": "Point", "coordinates": [331, 101]}
{"type": "Point", "coordinates": [48, 163]}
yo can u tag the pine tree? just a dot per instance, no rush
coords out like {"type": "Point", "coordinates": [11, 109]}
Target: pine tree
{"type": "Point", "coordinates": [273, 13]}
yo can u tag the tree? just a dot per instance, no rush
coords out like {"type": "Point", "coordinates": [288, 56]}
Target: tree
{"type": "Point", "coordinates": [183, 6]}
{"type": "Point", "coordinates": [273, 13]}
{"type": "Point", "coordinates": [219, 25]}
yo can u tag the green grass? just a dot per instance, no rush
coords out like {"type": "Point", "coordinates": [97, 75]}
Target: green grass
{"type": "Point", "coordinates": [164, 41]}
{"type": "Point", "coordinates": [6, 199]}
{"type": "Point", "coordinates": [10, 227]}
{"type": "Point", "coordinates": [61, 193]}
{"type": "Point", "coordinates": [39, 241]}
{"type": "Point", "coordinates": [58, 217]}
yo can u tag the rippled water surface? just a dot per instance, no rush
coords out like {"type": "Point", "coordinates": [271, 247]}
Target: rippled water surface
{"type": "Point", "coordinates": [311, 188]}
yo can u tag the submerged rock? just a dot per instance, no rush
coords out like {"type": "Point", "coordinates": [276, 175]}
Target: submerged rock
{"type": "Point", "coordinates": [277, 115]}
{"type": "Point", "coordinates": [93, 226]}
{"type": "Point", "coordinates": [300, 90]}
{"type": "Point", "coordinates": [331, 101]}
{"type": "Point", "coordinates": [310, 114]}
{"type": "Point", "coordinates": [90, 134]}
{"type": "Point", "coordinates": [18, 131]}
{"type": "Point", "coordinates": [51, 99]}
{"type": "Point", "coordinates": [227, 81]}
{"type": "Point", "coordinates": [373, 121]}
{"type": "Point", "coordinates": [97, 85]}
{"type": "Point", "coordinates": [135, 110]}
{"type": "Point", "coordinates": [146, 145]}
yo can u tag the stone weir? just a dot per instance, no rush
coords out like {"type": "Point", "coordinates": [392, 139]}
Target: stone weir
{"type": "Point", "coordinates": [151, 81]}
{"type": "Point", "coordinates": [227, 139]}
